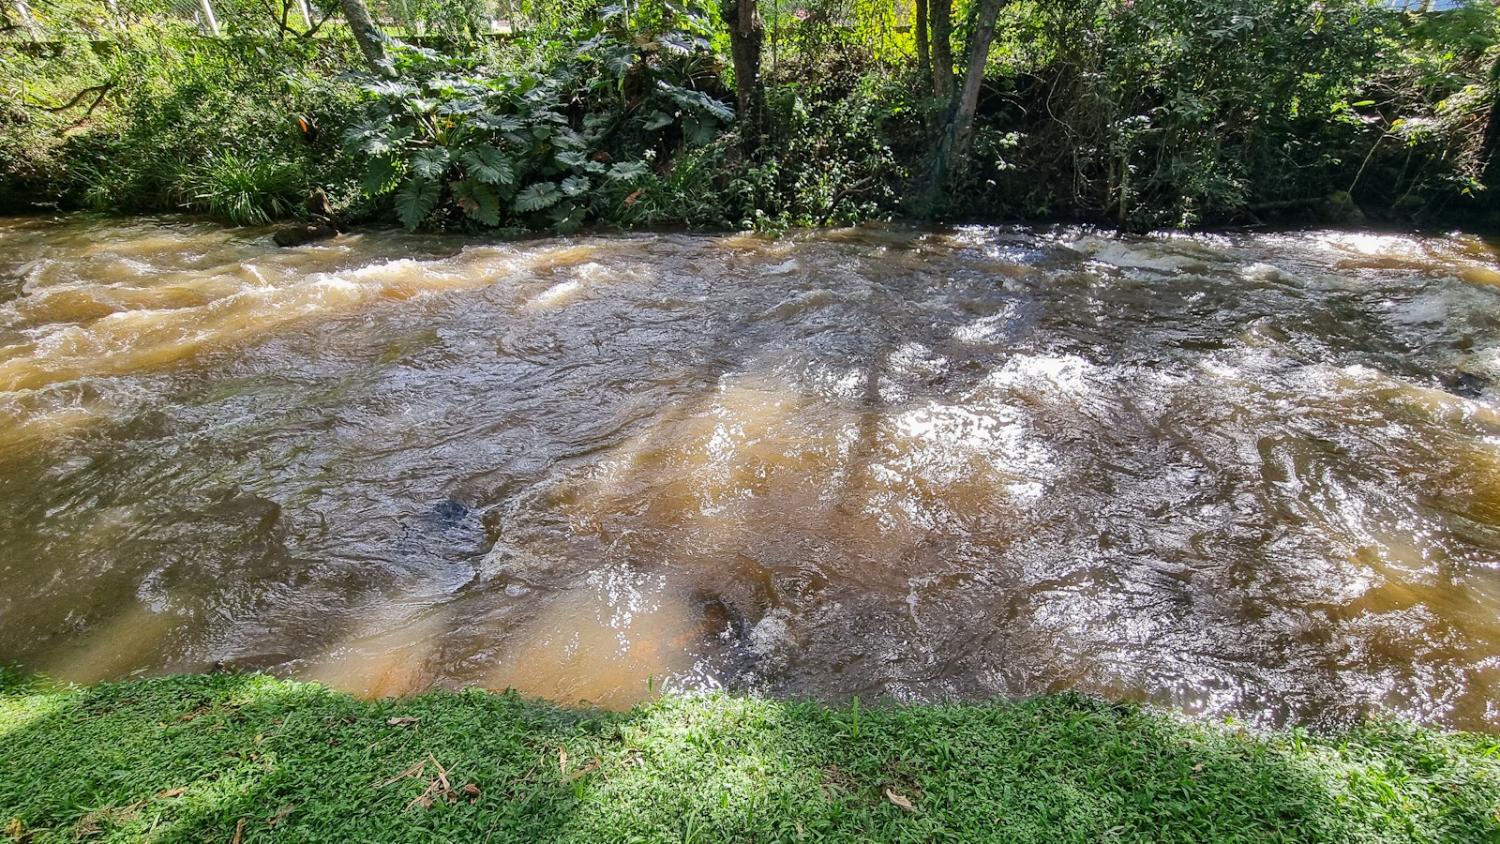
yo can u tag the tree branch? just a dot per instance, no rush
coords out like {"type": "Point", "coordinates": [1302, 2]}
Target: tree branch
{"type": "Point", "coordinates": [100, 90]}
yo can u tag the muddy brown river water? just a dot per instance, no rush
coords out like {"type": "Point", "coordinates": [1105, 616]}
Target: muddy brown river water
{"type": "Point", "coordinates": [1250, 475]}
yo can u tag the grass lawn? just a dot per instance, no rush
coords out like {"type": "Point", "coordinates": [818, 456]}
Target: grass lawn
{"type": "Point", "coordinates": [245, 758]}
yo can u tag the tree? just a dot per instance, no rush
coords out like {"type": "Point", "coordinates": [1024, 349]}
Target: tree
{"type": "Point", "coordinates": [1489, 151]}
{"type": "Point", "coordinates": [368, 36]}
{"type": "Point", "coordinates": [924, 63]}
{"type": "Point", "coordinates": [952, 153]}
{"type": "Point", "coordinates": [941, 12]}
{"type": "Point", "coordinates": [962, 124]}
{"type": "Point", "coordinates": [746, 33]}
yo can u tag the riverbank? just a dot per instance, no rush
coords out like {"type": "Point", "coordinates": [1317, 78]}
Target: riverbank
{"type": "Point", "coordinates": [1115, 112]}
{"type": "Point", "coordinates": [250, 758]}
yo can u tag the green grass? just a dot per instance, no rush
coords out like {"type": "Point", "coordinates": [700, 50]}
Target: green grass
{"type": "Point", "coordinates": [249, 758]}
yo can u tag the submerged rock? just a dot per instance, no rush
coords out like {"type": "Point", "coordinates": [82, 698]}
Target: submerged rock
{"type": "Point", "coordinates": [302, 233]}
{"type": "Point", "coordinates": [1466, 384]}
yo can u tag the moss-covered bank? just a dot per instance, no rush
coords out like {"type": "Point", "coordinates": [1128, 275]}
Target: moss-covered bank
{"type": "Point", "coordinates": [250, 758]}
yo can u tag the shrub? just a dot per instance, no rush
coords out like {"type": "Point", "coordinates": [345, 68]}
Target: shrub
{"type": "Point", "coordinates": [451, 143]}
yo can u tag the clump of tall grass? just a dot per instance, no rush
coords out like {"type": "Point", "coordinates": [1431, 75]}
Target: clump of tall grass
{"type": "Point", "coordinates": [244, 191]}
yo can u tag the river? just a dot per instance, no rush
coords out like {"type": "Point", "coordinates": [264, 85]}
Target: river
{"type": "Point", "coordinates": [1253, 474]}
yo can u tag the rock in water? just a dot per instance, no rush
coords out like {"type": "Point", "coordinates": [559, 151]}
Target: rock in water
{"type": "Point", "coordinates": [303, 233]}
{"type": "Point", "coordinates": [1466, 384]}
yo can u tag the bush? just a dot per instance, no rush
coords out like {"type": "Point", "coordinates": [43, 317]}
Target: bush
{"type": "Point", "coordinates": [453, 143]}
{"type": "Point", "coordinates": [1143, 113]}
{"type": "Point", "coordinates": [181, 122]}
{"type": "Point", "coordinates": [245, 192]}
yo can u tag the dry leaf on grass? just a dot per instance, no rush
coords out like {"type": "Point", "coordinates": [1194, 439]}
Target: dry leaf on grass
{"type": "Point", "coordinates": [414, 770]}
{"type": "Point", "coordinates": [899, 800]}
{"type": "Point", "coordinates": [588, 768]}
{"type": "Point", "coordinates": [280, 814]}
{"type": "Point", "coordinates": [438, 788]}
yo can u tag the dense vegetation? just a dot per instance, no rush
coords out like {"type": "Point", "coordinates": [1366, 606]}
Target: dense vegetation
{"type": "Point", "coordinates": [659, 112]}
{"type": "Point", "coordinates": [249, 758]}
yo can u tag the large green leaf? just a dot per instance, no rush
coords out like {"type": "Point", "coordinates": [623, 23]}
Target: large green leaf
{"type": "Point", "coordinates": [619, 60]}
{"type": "Point", "coordinates": [488, 165]}
{"type": "Point", "coordinates": [566, 218]}
{"type": "Point", "coordinates": [536, 197]}
{"type": "Point", "coordinates": [390, 88]}
{"type": "Point", "coordinates": [358, 134]}
{"type": "Point", "coordinates": [498, 122]}
{"type": "Point", "coordinates": [384, 140]}
{"type": "Point", "coordinates": [430, 163]}
{"type": "Point", "coordinates": [477, 200]}
{"type": "Point", "coordinates": [462, 105]}
{"type": "Point", "coordinates": [566, 138]}
{"type": "Point", "coordinates": [416, 199]}
{"type": "Point", "coordinates": [697, 101]}
{"type": "Point", "coordinates": [628, 171]}
{"type": "Point", "coordinates": [698, 130]}
{"type": "Point", "coordinates": [575, 185]}
{"type": "Point", "coordinates": [380, 175]}
{"type": "Point", "coordinates": [675, 42]}
{"type": "Point", "coordinates": [657, 120]}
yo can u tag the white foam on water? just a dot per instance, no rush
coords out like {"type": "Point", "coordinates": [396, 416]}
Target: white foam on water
{"type": "Point", "coordinates": [1056, 376]}
{"type": "Point", "coordinates": [987, 329]}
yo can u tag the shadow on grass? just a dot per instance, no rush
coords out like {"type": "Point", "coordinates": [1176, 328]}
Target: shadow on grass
{"type": "Point", "coordinates": [198, 758]}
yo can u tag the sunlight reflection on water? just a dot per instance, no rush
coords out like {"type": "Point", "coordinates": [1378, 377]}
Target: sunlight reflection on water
{"type": "Point", "coordinates": [1251, 474]}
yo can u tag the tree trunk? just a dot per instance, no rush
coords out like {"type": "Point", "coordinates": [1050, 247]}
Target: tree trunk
{"type": "Point", "coordinates": [28, 23]}
{"type": "Point", "coordinates": [968, 97]}
{"type": "Point", "coordinates": [924, 63]}
{"type": "Point", "coordinates": [746, 33]}
{"type": "Point", "coordinates": [942, 47]}
{"type": "Point", "coordinates": [952, 153]}
{"type": "Point", "coordinates": [1489, 151]}
{"type": "Point", "coordinates": [367, 35]}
